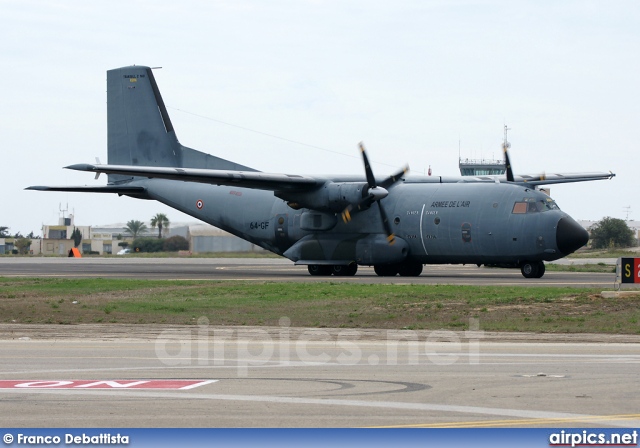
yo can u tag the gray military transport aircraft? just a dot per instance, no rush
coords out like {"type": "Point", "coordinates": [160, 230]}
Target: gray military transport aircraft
{"type": "Point", "coordinates": [332, 224]}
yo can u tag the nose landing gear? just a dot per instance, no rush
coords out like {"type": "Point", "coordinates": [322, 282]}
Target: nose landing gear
{"type": "Point", "coordinates": [532, 269]}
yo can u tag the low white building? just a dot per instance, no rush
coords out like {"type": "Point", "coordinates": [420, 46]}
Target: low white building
{"type": "Point", "coordinates": [105, 239]}
{"type": "Point", "coordinates": [205, 238]}
{"type": "Point", "coordinates": [56, 239]}
{"type": "Point", "coordinates": [6, 245]}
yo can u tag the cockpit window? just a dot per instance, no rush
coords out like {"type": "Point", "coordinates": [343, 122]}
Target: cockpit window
{"type": "Point", "coordinates": [520, 208]}
{"type": "Point", "coordinates": [533, 205]}
{"type": "Point", "coordinates": [550, 204]}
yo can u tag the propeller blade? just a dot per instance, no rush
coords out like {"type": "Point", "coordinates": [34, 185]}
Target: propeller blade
{"type": "Point", "coordinates": [352, 209]}
{"type": "Point", "coordinates": [371, 180]}
{"type": "Point", "coordinates": [539, 178]}
{"type": "Point", "coordinates": [346, 214]}
{"type": "Point", "coordinates": [387, 226]}
{"type": "Point", "coordinates": [391, 180]}
{"type": "Point", "coordinates": [543, 176]}
{"type": "Point", "coordinates": [507, 164]}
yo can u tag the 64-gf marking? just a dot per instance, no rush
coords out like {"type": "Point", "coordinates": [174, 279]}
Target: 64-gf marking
{"type": "Point", "coordinates": [263, 225]}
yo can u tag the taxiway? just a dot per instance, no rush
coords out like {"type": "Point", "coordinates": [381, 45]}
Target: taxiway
{"type": "Point", "coordinates": [276, 269]}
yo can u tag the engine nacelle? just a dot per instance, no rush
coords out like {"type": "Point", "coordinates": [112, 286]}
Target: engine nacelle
{"type": "Point", "coordinates": [331, 197]}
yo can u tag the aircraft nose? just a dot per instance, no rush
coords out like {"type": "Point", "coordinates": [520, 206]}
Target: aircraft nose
{"type": "Point", "coordinates": [570, 236]}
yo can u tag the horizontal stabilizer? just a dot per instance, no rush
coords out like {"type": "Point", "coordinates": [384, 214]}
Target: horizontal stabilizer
{"type": "Point", "coordinates": [119, 189]}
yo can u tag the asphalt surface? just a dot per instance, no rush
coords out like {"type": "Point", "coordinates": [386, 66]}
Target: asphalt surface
{"type": "Point", "coordinates": [274, 269]}
{"type": "Point", "coordinates": [287, 377]}
{"type": "Point", "coordinates": [296, 377]}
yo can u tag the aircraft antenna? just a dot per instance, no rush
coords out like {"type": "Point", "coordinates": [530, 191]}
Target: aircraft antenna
{"type": "Point", "coordinates": [505, 143]}
{"type": "Point", "coordinates": [271, 135]}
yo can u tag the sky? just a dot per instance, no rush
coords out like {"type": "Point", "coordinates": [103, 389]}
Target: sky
{"type": "Point", "coordinates": [293, 87]}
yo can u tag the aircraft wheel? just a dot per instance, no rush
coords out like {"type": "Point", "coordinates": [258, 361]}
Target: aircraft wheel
{"type": "Point", "coordinates": [318, 269]}
{"type": "Point", "coordinates": [410, 269]}
{"type": "Point", "coordinates": [386, 270]}
{"type": "Point", "coordinates": [352, 269]}
{"type": "Point", "coordinates": [530, 269]}
{"type": "Point", "coordinates": [541, 269]}
{"type": "Point", "coordinates": [344, 270]}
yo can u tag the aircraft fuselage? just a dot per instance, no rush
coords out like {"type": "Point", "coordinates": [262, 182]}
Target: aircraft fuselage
{"type": "Point", "coordinates": [434, 223]}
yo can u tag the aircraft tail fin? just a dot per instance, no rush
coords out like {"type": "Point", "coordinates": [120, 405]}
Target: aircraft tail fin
{"type": "Point", "coordinates": [140, 131]}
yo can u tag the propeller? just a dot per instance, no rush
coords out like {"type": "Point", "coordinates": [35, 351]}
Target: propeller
{"type": "Point", "coordinates": [509, 170]}
{"type": "Point", "coordinates": [375, 193]}
{"type": "Point", "coordinates": [507, 162]}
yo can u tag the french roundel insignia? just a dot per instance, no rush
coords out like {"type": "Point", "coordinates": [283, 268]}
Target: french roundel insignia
{"type": "Point", "coordinates": [199, 204]}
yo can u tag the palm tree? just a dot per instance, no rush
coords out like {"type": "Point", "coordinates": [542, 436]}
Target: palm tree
{"type": "Point", "coordinates": [135, 228]}
{"type": "Point", "coordinates": [76, 236]}
{"type": "Point", "coordinates": [160, 220]}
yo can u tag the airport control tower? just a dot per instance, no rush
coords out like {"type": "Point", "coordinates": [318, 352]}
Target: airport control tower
{"type": "Point", "coordinates": [481, 167]}
{"type": "Point", "coordinates": [484, 167]}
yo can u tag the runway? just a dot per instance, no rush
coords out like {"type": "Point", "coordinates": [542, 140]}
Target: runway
{"type": "Point", "coordinates": [287, 377]}
{"type": "Point", "coordinates": [275, 269]}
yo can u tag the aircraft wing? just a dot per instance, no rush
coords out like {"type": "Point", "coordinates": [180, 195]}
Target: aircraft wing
{"type": "Point", "coordinates": [283, 182]}
{"type": "Point", "coordinates": [246, 179]}
{"type": "Point", "coordinates": [534, 180]}
{"type": "Point", "coordinates": [559, 178]}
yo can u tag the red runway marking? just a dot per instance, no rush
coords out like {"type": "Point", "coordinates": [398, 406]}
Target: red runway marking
{"type": "Point", "coordinates": [104, 384]}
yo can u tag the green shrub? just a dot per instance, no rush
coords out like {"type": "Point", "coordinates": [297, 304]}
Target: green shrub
{"type": "Point", "coordinates": [175, 243]}
{"type": "Point", "coordinates": [147, 245]}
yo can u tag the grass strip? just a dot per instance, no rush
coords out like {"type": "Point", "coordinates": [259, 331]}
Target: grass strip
{"type": "Point", "coordinates": [317, 304]}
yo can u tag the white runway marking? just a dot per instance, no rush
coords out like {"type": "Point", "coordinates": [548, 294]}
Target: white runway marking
{"type": "Point", "coordinates": [427, 407]}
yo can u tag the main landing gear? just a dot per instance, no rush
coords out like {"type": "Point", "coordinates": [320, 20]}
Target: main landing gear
{"type": "Point", "coordinates": [406, 269]}
{"type": "Point", "coordinates": [338, 269]}
{"type": "Point", "coordinates": [532, 269]}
